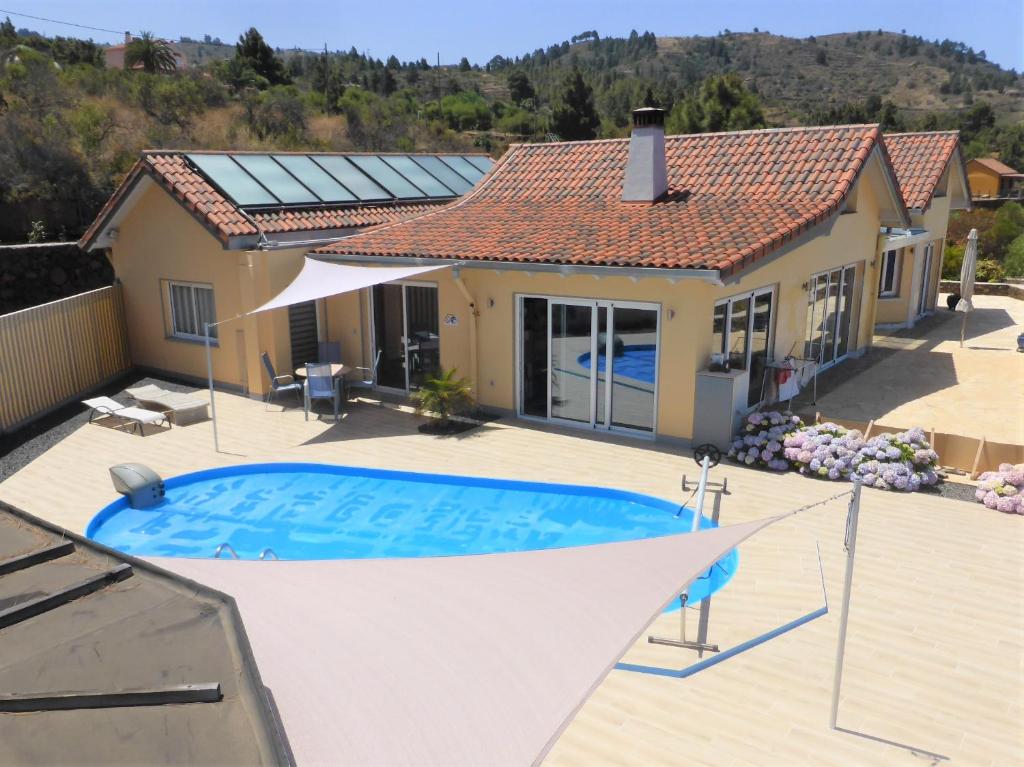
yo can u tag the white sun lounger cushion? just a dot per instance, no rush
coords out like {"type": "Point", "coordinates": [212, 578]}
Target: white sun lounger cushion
{"type": "Point", "coordinates": [184, 408]}
{"type": "Point", "coordinates": [113, 407]}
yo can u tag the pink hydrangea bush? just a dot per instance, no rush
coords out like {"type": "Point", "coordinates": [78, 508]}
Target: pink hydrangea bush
{"type": "Point", "coordinates": [761, 438]}
{"type": "Point", "coordinates": [1002, 490]}
{"type": "Point", "coordinates": [825, 450]}
{"type": "Point", "coordinates": [903, 461]}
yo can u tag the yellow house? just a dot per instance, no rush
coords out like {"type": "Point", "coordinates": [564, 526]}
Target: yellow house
{"type": "Point", "coordinates": [651, 285]}
{"type": "Point", "coordinates": [190, 249]}
{"type": "Point", "coordinates": [991, 179]}
{"type": "Point", "coordinates": [933, 180]}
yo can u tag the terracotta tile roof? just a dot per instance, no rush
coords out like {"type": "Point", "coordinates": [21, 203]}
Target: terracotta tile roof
{"type": "Point", "coordinates": [995, 165]}
{"type": "Point", "coordinates": [733, 198]}
{"type": "Point", "coordinates": [224, 219]}
{"type": "Point", "coordinates": [919, 160]}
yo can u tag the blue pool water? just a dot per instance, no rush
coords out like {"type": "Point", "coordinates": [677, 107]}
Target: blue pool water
{"type": "Point", "coordinates": [636, 361]}
{"type": "Point", "coordinates": [318, 511]}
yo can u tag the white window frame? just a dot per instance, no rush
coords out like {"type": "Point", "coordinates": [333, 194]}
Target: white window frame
{"type": "Point", "coordinates": [897, 274]}
{"type": "Point", "coordinates": [594, 303]}
{"type": "Point", "coordinates": [750, 296]}
{"type": "Point", "coordinates": [193, 308]}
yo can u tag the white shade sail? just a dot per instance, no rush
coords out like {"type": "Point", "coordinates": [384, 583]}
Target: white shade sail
{"type": "Point", "coordinates": [320, 279]}
{"type": "Point", "coordinates": [450, 661]}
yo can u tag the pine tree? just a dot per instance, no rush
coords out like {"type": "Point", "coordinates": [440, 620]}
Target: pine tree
{"type": "Point", "coordinates": [574, 117]}
{"type": "Point", "coordinates": [253, 50]}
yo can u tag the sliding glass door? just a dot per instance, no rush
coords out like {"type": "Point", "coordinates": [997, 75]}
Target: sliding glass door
{"type": "Point", "coordinates": [830, 306]}
{"type": "Point", "coordinates": [589, 363]}
{"type": "Point", "coordinates": [405, 334]}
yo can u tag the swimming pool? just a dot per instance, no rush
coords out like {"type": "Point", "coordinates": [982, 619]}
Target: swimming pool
{"type": "Point", "coordinates": [637, 361]}
{"type": "Point", "coordinates": [320, 511]}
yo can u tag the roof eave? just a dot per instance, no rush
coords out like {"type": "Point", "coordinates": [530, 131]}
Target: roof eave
{"type": "Point", "coordinates": [675, 274]}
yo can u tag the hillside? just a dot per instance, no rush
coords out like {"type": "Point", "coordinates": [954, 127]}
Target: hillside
{"type": "Point", "coordinates": [70, 129]}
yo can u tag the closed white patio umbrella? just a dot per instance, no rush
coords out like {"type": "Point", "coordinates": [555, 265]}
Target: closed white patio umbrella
{"type": "Point", "coordinates": [967, 270]}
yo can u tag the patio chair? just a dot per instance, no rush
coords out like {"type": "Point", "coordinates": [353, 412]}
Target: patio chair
{"type": "Point", "coordinates": [329, 351]}
{"type": "Point", "coordinates": [181, 409]}
{"type": "Point", "coordinates": [137, 418]}
{"type": "Point", "coordinates": [369, 377]}
{"type": "Point", "coordinates": [320, 384]}
{"type": "Point", "coordinates": [279, 384]}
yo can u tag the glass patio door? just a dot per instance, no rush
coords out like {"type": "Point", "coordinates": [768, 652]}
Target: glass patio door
{"type": "Point", "coordinates": [405, 333]}
{"type": "Point", "coordinates": [589, 363]}
{"type": "Point", "coordinates": [830, 305]}
{"type": "Point", "coordinates": [572, 340]}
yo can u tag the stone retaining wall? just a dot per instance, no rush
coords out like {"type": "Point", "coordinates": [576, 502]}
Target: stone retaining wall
{"type": "Point", "coordinates": [1013, 290]}
{"type": "Point", "coordinates": [37, 274]}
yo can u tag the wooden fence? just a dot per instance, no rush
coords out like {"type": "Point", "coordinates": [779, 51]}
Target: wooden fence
{"type": "Point", "coordinates": [53, 353]}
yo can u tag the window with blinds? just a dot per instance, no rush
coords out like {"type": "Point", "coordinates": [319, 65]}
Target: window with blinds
{"type": "Point", "coordinates": [191, 307]}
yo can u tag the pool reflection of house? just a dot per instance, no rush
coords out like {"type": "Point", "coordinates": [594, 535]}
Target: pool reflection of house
{"type": "Point", "coordinates": [646, 254]}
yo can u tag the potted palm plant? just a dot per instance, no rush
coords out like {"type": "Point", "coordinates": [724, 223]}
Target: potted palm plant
{"type": "Point", "coordinates": [443, 396]}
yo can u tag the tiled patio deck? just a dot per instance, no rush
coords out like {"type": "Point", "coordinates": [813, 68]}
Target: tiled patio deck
{"type": "Point", "coordinates": [935, 660]}
{"type": "Point", "coordinates": [975, 391]}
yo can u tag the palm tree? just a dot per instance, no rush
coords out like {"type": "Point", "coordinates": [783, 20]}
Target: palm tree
{"type": "Point", "coordinates": [155, 55]}
{"type": "Point", "coordinates": [444, 396]}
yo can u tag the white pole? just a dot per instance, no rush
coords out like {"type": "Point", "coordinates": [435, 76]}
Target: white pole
{"type": "Point", "coordinates": [851, 548]}
{"type": "Point", "coordinates": [702, 487]}
{"type": "Point", "coordinates": [209, 376]}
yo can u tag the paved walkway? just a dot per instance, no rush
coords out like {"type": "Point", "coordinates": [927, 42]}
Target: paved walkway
{"type": "Point", "coordinates": [935, 661]}
{"type": "Point", "coordinates": [929, 381]}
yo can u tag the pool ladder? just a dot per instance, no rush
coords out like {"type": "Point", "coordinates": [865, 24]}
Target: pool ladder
{"type": "Point", "coordinates": [267, 553]}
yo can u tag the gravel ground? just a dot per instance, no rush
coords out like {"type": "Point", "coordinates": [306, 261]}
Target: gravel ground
{"type": "Point", "coordinates": [24, 446]}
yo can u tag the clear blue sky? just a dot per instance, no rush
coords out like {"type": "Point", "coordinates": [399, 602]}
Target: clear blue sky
{"type": "Point", "coordinates": [479, 29]}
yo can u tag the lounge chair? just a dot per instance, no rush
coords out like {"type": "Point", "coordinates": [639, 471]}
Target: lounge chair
{"type": "Point", "coordinates": [181, 409]}
{"type": "Point", "coordinates": [279, 384]}
{"type": "Point", "coordinates": [320, 384]}
{"type": "Point", "coordinates": [136, 417]}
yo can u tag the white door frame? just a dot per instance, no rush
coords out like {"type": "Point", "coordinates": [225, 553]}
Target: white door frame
{"type": "Point", "coordinates": [405, 329]}
{"type": "Point", "coordinates": [827, 273]}
{"type": "Point", "coordinates": [594, 303]}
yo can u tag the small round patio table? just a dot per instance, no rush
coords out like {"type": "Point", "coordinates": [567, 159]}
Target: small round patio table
{"type": "Point", "coordinates": [337, 370]}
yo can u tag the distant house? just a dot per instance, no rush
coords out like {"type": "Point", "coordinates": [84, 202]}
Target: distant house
{"type": "Point", "coordinates": [933, 180]}
{"type": "Point", "coordinates": [991, 179]}
{"type": "Point", "coordinates": [113, 55]}
{"type": "Point", "coordinates": [597, 284]}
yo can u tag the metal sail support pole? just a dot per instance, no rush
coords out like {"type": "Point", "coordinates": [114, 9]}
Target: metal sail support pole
{"type": "Point", "coordinates": [702, 487]}
{"type": "Point", "coordinates": [209, 374]}
{"type": "Point", "coordinates": [209, 377]}
{"type": "Point", "coordinates": [852, 517]}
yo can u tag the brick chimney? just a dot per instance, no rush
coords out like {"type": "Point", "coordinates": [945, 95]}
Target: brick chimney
{"type": "Point", "coordinates": [646, 176]}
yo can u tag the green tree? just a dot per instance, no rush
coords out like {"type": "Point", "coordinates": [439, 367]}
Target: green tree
{"type": "Point", "coordinates": [465, 111]}
{"type": "Point", "coordinates": [7, 30]}
{"type": "Point", "coordinates": [253, 51]}
{"type": "Point", "coordinates": [153, 54]}
{"type": "Point", "coordinates": [574, 117]}
{"type": "Point", "coordinates": [277, 113]}
{"type": "Point", "coordinates": [722, 103]}
{"type": "Point", "coordinates": [464, 65]}
{"type": "Point", "coordinates": [1014, 263]}
{"type": "Point", "coordinates": [519, 86]}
